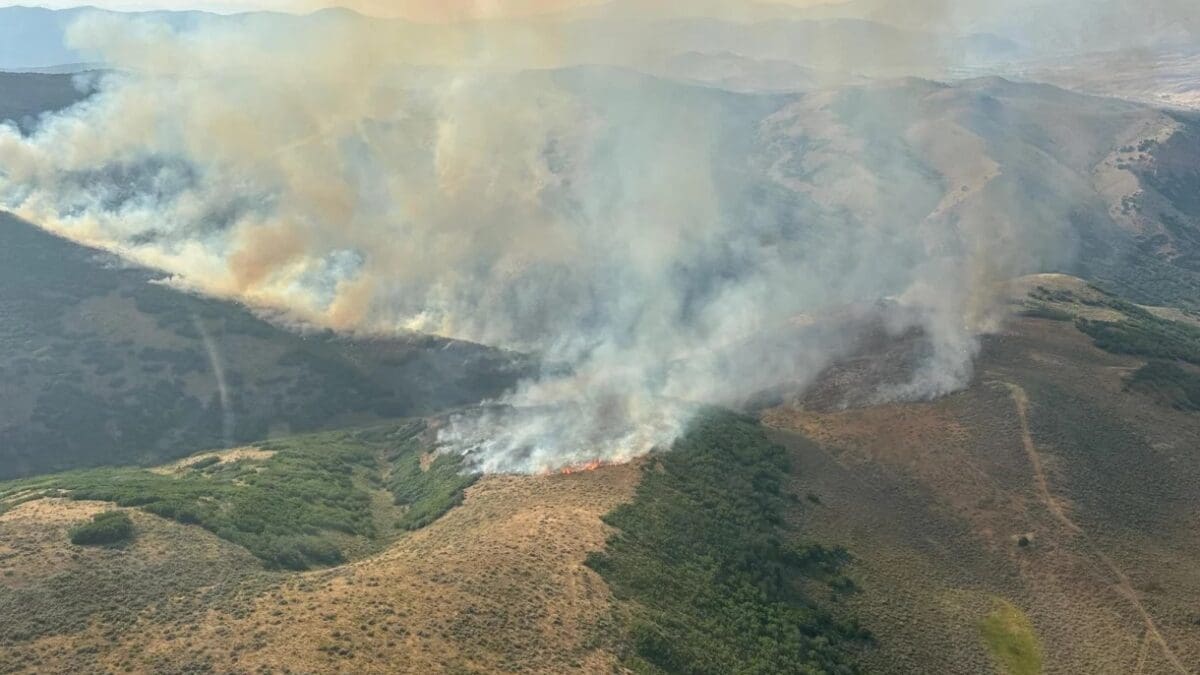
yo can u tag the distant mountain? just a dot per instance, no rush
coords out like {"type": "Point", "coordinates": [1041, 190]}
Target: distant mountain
{"type": "Point", "coordinates": [733, 72]}
{"type": "Point", "coordinates": [653, 10]}
{"type": "Point", "coordinates": [1045, 26]}
{"type": "Point", "coordinates": [35, 37]}
{"type": "Point", "coordinates": [833, 45]}
{"type": "Point", "coordinates": [32, 38]}
{"type": "Point", "coordinates": [61, 69]}
{"type": "Point", "coordinates": [25, 96]}
{"type": "Point", "coordinates": [1103, 187]}
{"type": "Point", "coordinates": [1098, 187]}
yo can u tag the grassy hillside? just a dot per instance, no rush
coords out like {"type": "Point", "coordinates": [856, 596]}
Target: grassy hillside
{"type": "Point", "coordinates": [497, 584]}
{"type": "Point", "coordinates": [293, 503]}
{"type": "Point", "coordinates": [1169, 339]}
{"type": "Point", "coordinates": [105, 365]}
{"type": "Point", "coordinates": [1037, 521]}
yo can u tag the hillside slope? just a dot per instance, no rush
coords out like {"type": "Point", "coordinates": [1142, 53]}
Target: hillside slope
{"type": "Point", "coordinates": [1040, 520]}
{"type": "Point", "coordinates": [1057, 488]}
{"type": "Point", "coordinates": [1097, 187]}
{"type": "Point", "coordinates": [104, 364]}
{"type": "Point", "coordinates": [25, 96]}
{"type": "Point", "coordinates": [496, 585]}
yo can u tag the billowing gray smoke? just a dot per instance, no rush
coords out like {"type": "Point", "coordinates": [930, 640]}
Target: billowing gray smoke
{"type": "Point", "coordinates": [657, 245]}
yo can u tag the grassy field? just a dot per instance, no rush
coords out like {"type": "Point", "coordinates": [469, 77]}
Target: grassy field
{"type": "Point", "coordinates": [63, 607]}
{"type": "Point", "coordinates": [497, 584]}
{"type": "Point", "coordinates": [1009, 636]}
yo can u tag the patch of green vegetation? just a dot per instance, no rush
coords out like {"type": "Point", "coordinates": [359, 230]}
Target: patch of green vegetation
{"type": "Point", "coordinates": [110, 527]}
{"type": "Point", "coordinates": [1041, 311]}
{"type": "Point", "coordinates": [426, 492]}
{"type": "Point", "coordinates": [708, 580]}
{"type": "Point", "coordinates": [290, 510]}
{"type": "Point", "coordinates": [1143, 334]}
{"type": "Point", "coordinates": [1168, 383]}
{"type": "Point", "coordinates": [1009, 636]}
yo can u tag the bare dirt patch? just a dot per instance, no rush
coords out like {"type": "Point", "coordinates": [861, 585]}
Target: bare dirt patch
{"type": "Point", "coordinates": [223, 456]}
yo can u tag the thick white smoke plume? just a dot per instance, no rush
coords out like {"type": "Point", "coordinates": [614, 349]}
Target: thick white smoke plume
{"type": "Point", "coordinates": [638, 235]}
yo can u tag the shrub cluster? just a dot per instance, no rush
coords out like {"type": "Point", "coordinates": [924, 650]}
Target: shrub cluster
{"type": "Point", "coordinates": [712, 580]}
{"type": "Point", "coordinates": [1143, 334]}
{"type": "Point", "coordinates": [1169, 383]}
{"type": "Point", "coordinates": [426, 492]}
{"type": "Point", "coordinates": [110, 527]}
{"type": "Point", "coordinates": [294, 510]}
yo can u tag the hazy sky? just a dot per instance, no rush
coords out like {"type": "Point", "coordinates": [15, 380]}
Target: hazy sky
{"type": "Point", "coordinates": [416, 8]}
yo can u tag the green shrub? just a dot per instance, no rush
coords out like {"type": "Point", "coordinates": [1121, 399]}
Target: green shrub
{"type": "Point", "coordinates": [110, 527]}
{"type": "Point", "coordinates": [427, 492]}
{"type": "Point", "coordinates": [291, 509]}
{"type": "Point", "coordinates": [204, 463]}
{"type": "Point", "coordinates": [1010, 638]}
{"type": "Point", "coordinates": [1046, 312]}
{"type": "Point", "coordinates": [1143, 334]}
{"type": "Point", "coordinates": [1169, 384]}
{"type": "Point", "coordinates": [708, 570]}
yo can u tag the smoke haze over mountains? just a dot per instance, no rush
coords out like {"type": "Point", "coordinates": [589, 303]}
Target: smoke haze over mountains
{"type": "Point", "coordinates": [660, 246]}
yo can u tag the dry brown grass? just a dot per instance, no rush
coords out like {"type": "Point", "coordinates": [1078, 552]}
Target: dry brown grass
{"type": "Point", "coordinates": [224, 456]}
{"type": "Point", "coordinates": [34, 538]}
{"type": "Point", "coordinates": [496, 585]}
{"type": "Point", "coordinates": [934, 499]}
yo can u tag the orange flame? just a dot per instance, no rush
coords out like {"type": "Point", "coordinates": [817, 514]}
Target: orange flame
{"type": "Point", "coordinates": [580, 468]}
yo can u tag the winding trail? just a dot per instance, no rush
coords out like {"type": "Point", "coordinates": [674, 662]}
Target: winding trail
{"type": "Point", "coordinates": [1021, 399]}
{"type": "Point", "coordinates": [1124, 587]}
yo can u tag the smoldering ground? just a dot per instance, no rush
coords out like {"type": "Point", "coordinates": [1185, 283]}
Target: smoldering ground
{"type": "Point", "coordinates": [639, 234]}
